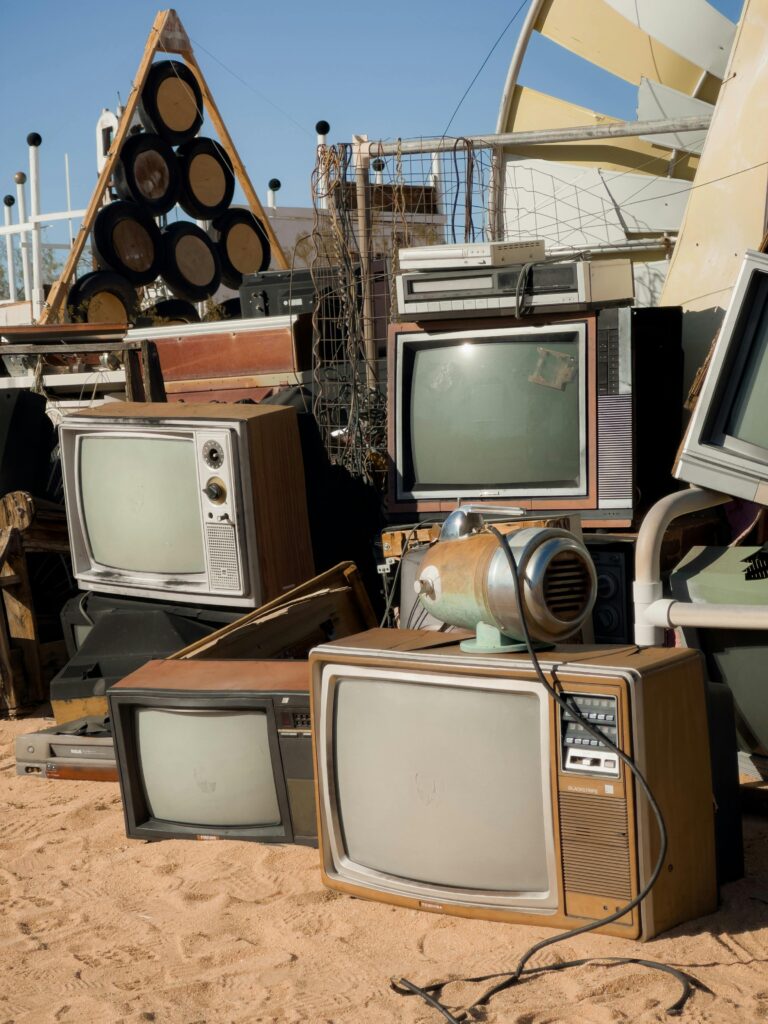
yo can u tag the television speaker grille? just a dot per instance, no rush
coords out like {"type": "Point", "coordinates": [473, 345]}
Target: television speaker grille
{"type": "Point", "coordinates": [614, 457]}
{"type": "Point", "coordinates": [595, 845]}
{"type": "Point", "coordinates": [222, 556]}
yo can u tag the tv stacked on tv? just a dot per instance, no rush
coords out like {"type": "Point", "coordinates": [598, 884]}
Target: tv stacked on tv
{"type": "Point", "coordinates": [180, 518]}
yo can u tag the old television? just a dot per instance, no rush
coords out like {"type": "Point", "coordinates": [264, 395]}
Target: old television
{"type": "Point", "coordinates": [452, 783]}
{"type": "Point", "coordinates": [215, 750]}
{"type": "Point", "coordinates": [201, 504]}
{"type": "Point", "coordinates": [547, 414]}
{"type": "Point", "coordinates": [726, 444]}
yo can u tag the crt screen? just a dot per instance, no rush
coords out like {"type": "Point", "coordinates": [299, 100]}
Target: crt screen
{"type": "Point", "coordinates": [208, 768]}
{"type": "Point", "coordinates": [748, 416]}
{"type": "Point", "coordinates": [141, 504]}
{"type": "Point", "coordinates": [442, 784]}
{"type": "Point", "coordinates": [496, 414]}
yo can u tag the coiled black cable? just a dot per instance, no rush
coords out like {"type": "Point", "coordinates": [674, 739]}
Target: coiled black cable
{"type": "Point", "coordinates": [428, 992]}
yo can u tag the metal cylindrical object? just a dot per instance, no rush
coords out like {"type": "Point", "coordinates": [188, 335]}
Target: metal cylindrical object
{"type": "Point", "coordinates": [468, 581]}
{"type": "Point", "coordinates": [33, 141]}
{"type": "Point", "coordinates": [21, 179]}
{"type": "Point", "coordinates": [8, 203]}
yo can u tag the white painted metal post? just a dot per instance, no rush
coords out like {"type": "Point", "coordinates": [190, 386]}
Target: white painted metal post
{"type": "Point", "coordinates": [322, 128]}
{"type": "Point", "coordinates": [21, 179]}
{"type": "Point", "coordinates": [69, 198]}
{"type": "Point", "coordinates": [273, 187]}
{"type": "Point", "coordinates": [8, 202]}
{"type": "Point", "coordinates": [33, 141]}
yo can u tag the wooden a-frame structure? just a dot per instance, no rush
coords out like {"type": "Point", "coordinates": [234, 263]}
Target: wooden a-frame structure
{"type": "Point", "coordinates": [167, 36]}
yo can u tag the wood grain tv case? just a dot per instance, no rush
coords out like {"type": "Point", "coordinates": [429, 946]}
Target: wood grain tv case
{"type": "Point", "coordinates": [278, 688]}
{"type": "Point", "coordinates": [605, 837]}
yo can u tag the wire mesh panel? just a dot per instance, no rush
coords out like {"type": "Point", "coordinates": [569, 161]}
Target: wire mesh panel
{"type": "Point", "coordinates": [365, 210]}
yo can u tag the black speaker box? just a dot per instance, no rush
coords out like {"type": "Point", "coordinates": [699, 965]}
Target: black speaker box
{"type": "Point", "coordinates": [613, 614]}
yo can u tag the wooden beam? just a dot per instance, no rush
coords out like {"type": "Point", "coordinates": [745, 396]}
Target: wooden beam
{"type": "Point", "coordinates": [242, 175]}
{"type": "Point", "coordinates": [58, 292]}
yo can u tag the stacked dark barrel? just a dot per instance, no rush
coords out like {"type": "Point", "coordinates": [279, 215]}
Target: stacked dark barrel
{"type": "Point", "coordinates": [164, 165]}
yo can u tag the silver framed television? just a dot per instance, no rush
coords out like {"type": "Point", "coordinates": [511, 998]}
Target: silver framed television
{"type": "Point", "coordinates": [202, 504]}
{"type": "Point", "coordinates": [726, 445]}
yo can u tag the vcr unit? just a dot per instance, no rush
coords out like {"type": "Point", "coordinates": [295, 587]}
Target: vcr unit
{"type": "Point", "coordinates": [571, 285]}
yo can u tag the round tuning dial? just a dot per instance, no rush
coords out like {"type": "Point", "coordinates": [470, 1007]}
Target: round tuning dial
{"type": "Point", "coordinates": [213, 454]}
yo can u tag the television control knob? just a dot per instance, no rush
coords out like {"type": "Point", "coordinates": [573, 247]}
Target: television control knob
{"type": "Point", "coordinates": [213, 454]}
{"type": "Point", "coordinates": [215, 491]}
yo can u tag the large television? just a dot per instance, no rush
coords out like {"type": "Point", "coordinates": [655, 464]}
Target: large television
{"type": "Point", "coordinates": [452, 783]}
{"type": "Point", "coordinates": [542, 413]}
{"type": "Point", "coordinates": [215, 750]}
{"type": "Point", "coordinates": [726, 445]}
{"type": "Point", "coordinates": [200, 504]}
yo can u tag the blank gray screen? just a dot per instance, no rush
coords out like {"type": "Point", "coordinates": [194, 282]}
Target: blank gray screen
{"type": "Point", "coordinates": [141, 503]}
{"type": "Point", "coordinates": [442, 784]}
{"type": "Point", "coordinates": [748, 420]}
{"type": "Point", "coordinates": [210, 768]}
{"type": "Point", "coordinates": [494, 413]}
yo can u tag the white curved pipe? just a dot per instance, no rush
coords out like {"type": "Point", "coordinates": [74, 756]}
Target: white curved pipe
{"type": "Point", "coordinates": [515, 64]}
{"type": "Point", "coordinates": [667, 613]}
{"type": "Point", "coordinates": [651, 612]}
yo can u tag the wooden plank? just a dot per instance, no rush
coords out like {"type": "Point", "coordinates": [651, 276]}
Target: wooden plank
{"type": "Point", "coordinates": [278, 256]}
{"type": "Point", "coordinates": [151, 373]}
{"type": "Point", "coordinates": [12, 694]}
{"type": "Point", "coordinates": [61, 332]}
{"type": "Point", "coordinates": [65, 349]}
{"type": "Point", "coordinates": [134, 384]}
{"type": "Point", "coordinates": [52, 307]}
{"type": "Point", "coordinates": [339, 591]}
{"type": "Point", "coordinates": [253, 380]}
{"type": "Point", "coordinates": [242, 354]}
{"type": "Point", "coordinates": [21, 620]}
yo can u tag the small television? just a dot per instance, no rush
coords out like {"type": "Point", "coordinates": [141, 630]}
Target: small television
{"type": "Point", "coordinates": [452, 783]}
{"type": "Point", "coordinates": [199, 504]}
{"type": "Point", "coordinates": [215, 750]}
{"type": "Point", "coordinates": [541, 413]}
{"type": "Point", "coordinates": [726, 445]}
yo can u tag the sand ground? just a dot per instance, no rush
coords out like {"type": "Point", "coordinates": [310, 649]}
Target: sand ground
{"type": "Point", "coordinates": [100, 929]}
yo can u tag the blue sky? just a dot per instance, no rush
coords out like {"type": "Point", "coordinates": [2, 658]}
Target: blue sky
{"type": "Point", "coordinates": [389, 70]}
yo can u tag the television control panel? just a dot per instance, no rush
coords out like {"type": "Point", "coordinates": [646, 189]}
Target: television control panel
{"type": "Point", "coordinates": [217, 481]}
{"type": "Point", "coordinates": [580, 751]}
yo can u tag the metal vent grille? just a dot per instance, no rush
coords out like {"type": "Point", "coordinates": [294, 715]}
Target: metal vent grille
{"type": "Point", "coordinates": [614, 456]}
{"type": "Point", "coordinates": [222, 556]}
{"type": "Point", "coordinates": [595, 845]}
{"type": "Point", "coordinates": [567, 586]}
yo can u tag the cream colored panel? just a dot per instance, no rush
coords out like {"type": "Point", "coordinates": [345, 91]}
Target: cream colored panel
{"type": "Point", "coordinates": [656, 101]}
{"type": "Point", "coordinates": [647, 205]}
{"type": "Point", "coordinates": [562, 204]}
{"type": "Point", "coordinates": [726, 212]}
{"type": "Point", "coordinates": [583, 206]}
{"type": "Point", "coordinates": [707, 45]}
{"type": "Point", "coordinates": [531, 110]}
{"type": "Point", "coordinates": [595, 31]}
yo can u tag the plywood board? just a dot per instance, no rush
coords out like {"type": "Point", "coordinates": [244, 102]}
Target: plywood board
{"type": "Point", "coordinates": [726, 211]}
